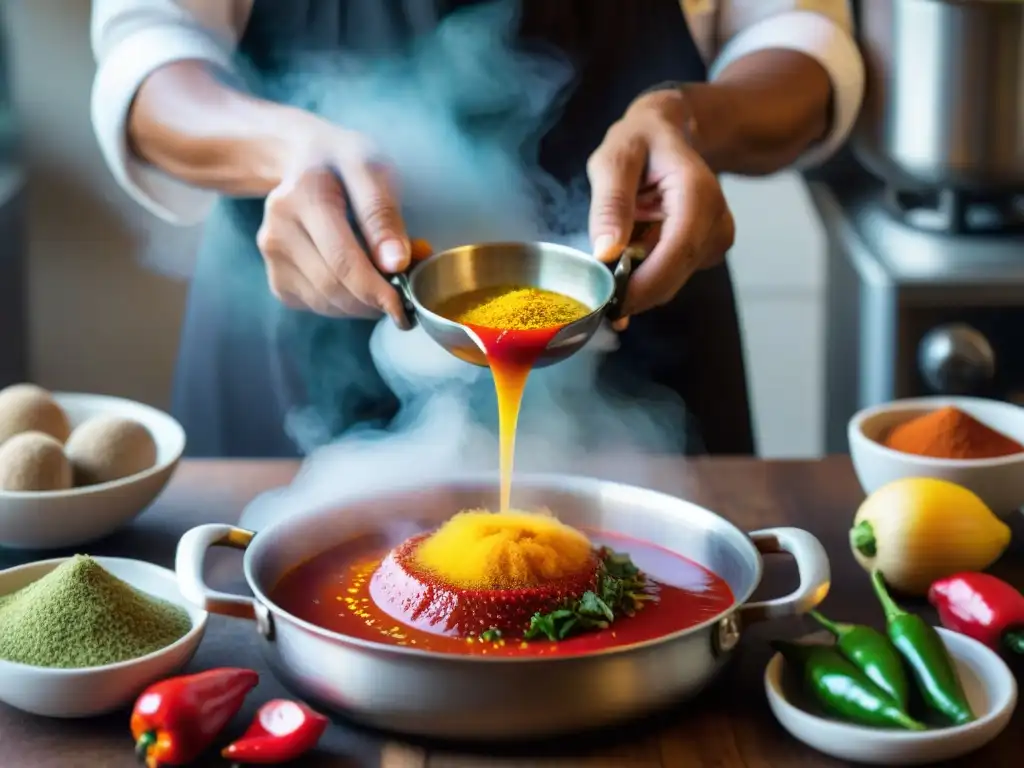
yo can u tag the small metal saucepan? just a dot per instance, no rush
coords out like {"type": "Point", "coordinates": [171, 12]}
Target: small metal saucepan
{"type": "Point", "coordinates": [549, 266]}
{"type": "Point", "coordinates": [409, 690]}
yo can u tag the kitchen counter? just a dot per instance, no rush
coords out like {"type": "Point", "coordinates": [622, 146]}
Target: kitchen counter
{"type": "Point", "coordinates": [729, 725]}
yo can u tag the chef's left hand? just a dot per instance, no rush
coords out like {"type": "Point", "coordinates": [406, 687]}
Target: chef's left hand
{"type": "Point", "coordinates": [646, 171]}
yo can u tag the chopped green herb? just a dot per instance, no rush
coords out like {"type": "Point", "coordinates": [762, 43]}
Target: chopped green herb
{"type": "Point", "coordinates": [621, 590]}
{"type": "Point", "coordinates": [618, 564]}
{"type": "Point", "coordinates": [594, 607]}
{"type": "Point", "coordinates": [490, 635]}
{"type": "Point", "coordinates": [567, 627]}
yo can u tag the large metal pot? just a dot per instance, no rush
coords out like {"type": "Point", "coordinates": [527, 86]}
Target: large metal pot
{"type": "Point", "coordinates": [944, 106]}
{"type": "Point", "coordinates": [413, 691]}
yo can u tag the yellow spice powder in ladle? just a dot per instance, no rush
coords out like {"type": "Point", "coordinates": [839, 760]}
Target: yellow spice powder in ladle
{"type": "Point", "coordinates": [514, 308]}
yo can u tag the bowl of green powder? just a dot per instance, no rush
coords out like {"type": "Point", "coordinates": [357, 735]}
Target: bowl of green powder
{"type": "Point", "coordinates": [82, 636]}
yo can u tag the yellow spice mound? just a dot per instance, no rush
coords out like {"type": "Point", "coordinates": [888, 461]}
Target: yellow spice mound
{"type": "Point", "coordinates": [516, 308]}
{"type": "Point", "coordinates": [507, 550]}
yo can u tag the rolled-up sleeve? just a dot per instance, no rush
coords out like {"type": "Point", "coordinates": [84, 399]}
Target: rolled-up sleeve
{"type": "Point", "coordinates": [131, 39]}
{"type": "Point", "coordinates": [821, 29]}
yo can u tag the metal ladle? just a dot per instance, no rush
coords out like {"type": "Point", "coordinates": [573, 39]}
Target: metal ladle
{"type": "Point", "coordinates": [548, 266]}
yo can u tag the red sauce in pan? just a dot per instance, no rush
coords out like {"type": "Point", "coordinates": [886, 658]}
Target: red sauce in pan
{"type": "Point", "coordinates": [332, 591]}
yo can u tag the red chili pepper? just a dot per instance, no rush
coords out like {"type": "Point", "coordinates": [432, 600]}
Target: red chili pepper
{"type": "Point", "coordinates": [981, 606]}
{"type": "Point", "coordinates": [282, 730]}
{"type": "Point", "coordinates": [174, 721]}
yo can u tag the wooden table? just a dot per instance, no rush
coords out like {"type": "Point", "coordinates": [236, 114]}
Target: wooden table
{"type": "Point", "coordinates": [729, 725]}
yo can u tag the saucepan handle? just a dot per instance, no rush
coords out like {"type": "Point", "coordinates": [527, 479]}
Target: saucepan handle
{"type": "Point", "coordinates": [188, 564]}
{"type": "Point", "coordinates": [812, 564]}
{"type": "Point", "coordinates": [632, 255]}
{"type": "Point", "coordinates": [400, 281]}
{"type": "Point", "coordinates": [620, 273]}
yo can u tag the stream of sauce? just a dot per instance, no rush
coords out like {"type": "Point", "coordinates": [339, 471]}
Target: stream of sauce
{"type": "Point", "coordinates": [332, 591]}
{"type": "Point", "coordinates": [510, 353]}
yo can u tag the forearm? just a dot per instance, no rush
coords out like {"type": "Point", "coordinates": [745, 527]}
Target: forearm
{"type": "Point", "coordinates": [190, 125]}
{"type": "Point", "coordinates": [761, 113]}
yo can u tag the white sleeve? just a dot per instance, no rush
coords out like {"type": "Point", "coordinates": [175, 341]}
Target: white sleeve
{"type": "Point", "coordinates": [822, 29]}
{"type": "Point", "coordinates": [130, 40]}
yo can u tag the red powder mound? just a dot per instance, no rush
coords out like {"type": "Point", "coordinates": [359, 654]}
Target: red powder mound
{"type": "Point", "coordinates": [408, 593]}
{"type": "Point", "coordinates": [949, 433]}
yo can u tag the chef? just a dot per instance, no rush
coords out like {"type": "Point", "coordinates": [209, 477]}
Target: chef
{"type": "Point", "coordinates": [302, 217]}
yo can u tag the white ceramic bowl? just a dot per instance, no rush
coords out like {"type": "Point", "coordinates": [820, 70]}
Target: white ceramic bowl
{"type": "Point", "coordinates": [988, 683]}
{"type": "Point", "coordinates": [97, 690]}
{"type": "Point", "coordinates": [998, 482]}
{"type": "Point", "coordinates": [62, 519]}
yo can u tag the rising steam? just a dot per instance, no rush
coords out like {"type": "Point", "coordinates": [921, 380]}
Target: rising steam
{"type": "Point", "coordinates": [454, 114]}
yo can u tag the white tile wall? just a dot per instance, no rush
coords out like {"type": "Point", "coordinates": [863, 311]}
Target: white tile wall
{"type": "Point", "coordinates": [779, 240]}
{"type": "Point", "coordinates": [778, 264]}
{"type": "Point", "coordinates": [784, 339]}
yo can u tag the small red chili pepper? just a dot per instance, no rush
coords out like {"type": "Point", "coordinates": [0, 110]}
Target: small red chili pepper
{"type": "Point", "coordinates": [982, 607]}
{"type": "Point", "coordinates": [174, 721]}
{"type": "Point", "coordinates": [282, 730]}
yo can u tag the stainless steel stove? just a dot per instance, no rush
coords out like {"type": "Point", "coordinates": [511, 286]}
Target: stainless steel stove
{"type": "Point", "coordinates": [925, 295]}
{"type": "Point", "coordinates": [926, 287]}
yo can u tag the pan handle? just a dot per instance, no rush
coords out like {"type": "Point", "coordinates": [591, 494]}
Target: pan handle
{"type": "Point", "coordinates": [621, 272]}
{"type": "Point", "coordinates": [400, 282]}
{"type": "Point", "coordinates": [188, 565]}
{"type": "Point", "coordinates": [812, 563]}
{"type": "Point", "coordinates": [631, 256]}
{"type": "Point", "coordinates": [421, 251]}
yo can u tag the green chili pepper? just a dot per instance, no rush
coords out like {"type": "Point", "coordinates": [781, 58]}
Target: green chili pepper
{"type": "Point", "coordinates": [842, 689]}
{"type": "Point", "coordinates": [871, 652]}
{"type": "Point", "coordinates": [923, 649]}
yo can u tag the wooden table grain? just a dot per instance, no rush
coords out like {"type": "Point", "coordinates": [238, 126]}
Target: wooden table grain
{"type": "Point", "coordinates": [729, 725]}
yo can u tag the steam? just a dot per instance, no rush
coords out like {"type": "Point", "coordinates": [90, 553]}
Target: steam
{"type": "Point", "coordinates": [457, 114]}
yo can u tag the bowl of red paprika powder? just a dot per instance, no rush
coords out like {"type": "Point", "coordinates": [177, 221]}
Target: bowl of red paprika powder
{"type": "Point", "coordinates": [974, 442]}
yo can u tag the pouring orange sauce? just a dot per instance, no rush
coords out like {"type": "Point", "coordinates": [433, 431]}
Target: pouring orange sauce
{"type": "Point", "coordinates": [515, 324]}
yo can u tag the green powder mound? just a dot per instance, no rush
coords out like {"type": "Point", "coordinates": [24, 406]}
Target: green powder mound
{"type": "Point", "coordinates": [81, 615]}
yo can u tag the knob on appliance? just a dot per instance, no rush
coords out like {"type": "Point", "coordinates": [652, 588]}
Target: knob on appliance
{"type": "Point", "coordinates": [955, 359]}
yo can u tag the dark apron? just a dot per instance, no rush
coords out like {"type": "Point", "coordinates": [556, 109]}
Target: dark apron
{"type": "Point", "coordinates": [248, 366]}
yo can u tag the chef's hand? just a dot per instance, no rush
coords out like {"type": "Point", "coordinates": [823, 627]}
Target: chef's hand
{"type": "Point", "coordinates": [646, 171]}
{"type": "Point", "coordinates": [312, 256]}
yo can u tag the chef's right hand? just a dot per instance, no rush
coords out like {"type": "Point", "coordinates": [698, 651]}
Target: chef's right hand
{"type": "Point", "coordinates": [313, 258]}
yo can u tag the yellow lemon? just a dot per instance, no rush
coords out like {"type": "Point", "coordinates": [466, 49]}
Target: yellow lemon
{"type": "Point", "coordinates": [919, 529]}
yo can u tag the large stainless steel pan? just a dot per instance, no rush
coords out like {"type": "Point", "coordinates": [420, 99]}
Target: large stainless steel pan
{"type": "Point", "coordinates": [409, 690]}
